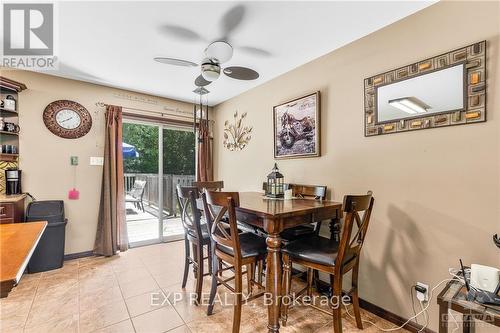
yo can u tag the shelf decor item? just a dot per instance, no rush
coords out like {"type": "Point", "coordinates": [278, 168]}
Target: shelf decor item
{"type": "Point", "coordinates": [275, 183]}
{"type": "Point", "coordinates": [236, 137]}
{"type": "Point", "coordinates": [9, 103]}
{"type": "Point", "coordinates": [67, 119]}
{"type": "Point", "coordinates": [297, 128]}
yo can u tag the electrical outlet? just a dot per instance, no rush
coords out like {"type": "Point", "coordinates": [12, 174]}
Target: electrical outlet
{"type": "Point", "coordinates": [422, 292]}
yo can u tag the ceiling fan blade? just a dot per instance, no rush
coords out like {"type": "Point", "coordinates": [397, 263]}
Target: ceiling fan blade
{"type": "Point", "coordinates": [241, 73]}
{"type": "Point", "coordinates": [255, 50]}
{"type": "Point", "coordinates": [175, 62]}
{"type": "Point", "coordinates": [75, 72]}
{"type": "Point", "coordinates": [201, 82]}
{"type": "Point", "coordinates": [231, 20]}
{"type": "Point", "coordinates": [181, 32]}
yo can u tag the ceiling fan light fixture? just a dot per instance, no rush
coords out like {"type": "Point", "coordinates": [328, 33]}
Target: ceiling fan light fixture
{"type": "Point", "coordinates": [220, 50]}
{"type": "Point", "coordinates": [210, 71]}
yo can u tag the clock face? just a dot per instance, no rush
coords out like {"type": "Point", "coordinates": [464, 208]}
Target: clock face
{"type": "Point", "coordinates": [68, 119]}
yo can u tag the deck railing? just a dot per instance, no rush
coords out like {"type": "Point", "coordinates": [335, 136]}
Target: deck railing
{"type": "Point", "coordinates": [150, 196]}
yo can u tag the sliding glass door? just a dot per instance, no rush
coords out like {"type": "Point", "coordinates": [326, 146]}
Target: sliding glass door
{"type": "Point", "coordinates": [178, 168]}
{"type": "Point", "coordinates": [157, 157]}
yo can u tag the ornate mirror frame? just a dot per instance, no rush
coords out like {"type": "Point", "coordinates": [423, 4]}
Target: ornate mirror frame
{"type": "Point", "coordinates": [473, 57]}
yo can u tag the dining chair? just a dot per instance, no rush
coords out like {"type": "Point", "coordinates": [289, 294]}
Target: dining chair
{"type": "Point", "coordinates": [313, 192]}
{"type": "Point", "coordinates": [216, 185]}
{"type": "Point", "coordinates": [334, 258]}
{"type": "Point", "coordinates": [196, 234]}
{"type": "Point", "coordinates": [233, 248]}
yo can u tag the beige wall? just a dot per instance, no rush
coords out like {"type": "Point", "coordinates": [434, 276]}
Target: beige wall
{"type": "Point", "coordinates": [436, 191]}
{"type": "Point", "coordinates": [45, 158]}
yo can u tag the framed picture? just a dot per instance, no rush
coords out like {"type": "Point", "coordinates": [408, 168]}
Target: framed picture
{"type": "Point", "coordinates": [297, 128]}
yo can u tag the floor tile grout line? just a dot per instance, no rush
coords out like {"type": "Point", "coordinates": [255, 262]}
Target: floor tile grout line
{"type": "Point", "coordinates": [31, 305]}
{"type": "Point", "coordinates": [123, 298]}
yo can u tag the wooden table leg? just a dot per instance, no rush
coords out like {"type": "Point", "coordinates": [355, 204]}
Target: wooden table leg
{"type": "Point", "coordinates": [335, 228]}
{"type": "Point", "coordinates": [273, 281]}
{"type": "Point", "coordinates": [443, 318]}
{"type": "Point", "coordinates": [468, 323]}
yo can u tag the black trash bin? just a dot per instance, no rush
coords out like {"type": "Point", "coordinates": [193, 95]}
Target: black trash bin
{"type": "Point", "coordinates": [49, 253]}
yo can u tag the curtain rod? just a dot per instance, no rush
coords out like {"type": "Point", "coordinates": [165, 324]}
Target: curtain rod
{"type": "Point", "coordinates": [102, 104]}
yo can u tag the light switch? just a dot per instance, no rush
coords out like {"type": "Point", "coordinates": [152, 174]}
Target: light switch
{"type": "Point", "coordinates": [74, 160]}
{"type": "Point", "coordinates": [96, 160]}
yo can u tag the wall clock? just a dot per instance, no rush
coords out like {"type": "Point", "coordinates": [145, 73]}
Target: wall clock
{"type": "Point", "coordinates": [67, 119]}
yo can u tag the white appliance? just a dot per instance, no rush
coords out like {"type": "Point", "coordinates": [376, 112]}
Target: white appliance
{"type": "Point", "coordinates": [484, 277]}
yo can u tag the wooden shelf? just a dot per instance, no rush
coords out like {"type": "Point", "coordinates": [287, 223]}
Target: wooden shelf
{"type": "Point", "coordinates": [8, 112]}
{"type": "Point", "coordinates": [9, 157]}
{"type": "Point", "coordinates": [9, 133]}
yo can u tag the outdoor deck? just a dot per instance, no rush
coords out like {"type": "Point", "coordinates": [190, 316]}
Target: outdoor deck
{"type": "Point", "coordinates": [143, 226]}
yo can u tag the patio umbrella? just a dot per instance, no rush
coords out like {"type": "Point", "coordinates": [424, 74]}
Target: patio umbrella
{"type": "Point", "coordinates": [129, 151]}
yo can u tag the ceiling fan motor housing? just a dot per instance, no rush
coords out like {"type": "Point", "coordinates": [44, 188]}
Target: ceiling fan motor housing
{"type": "Point", "coordinates": [210, 70]}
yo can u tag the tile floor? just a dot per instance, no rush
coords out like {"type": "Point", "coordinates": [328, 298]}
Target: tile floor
{"type": "Point", "coordinates": [115, 295]}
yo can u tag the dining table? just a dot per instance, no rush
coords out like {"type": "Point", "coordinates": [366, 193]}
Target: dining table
{"type": "Point", "coordinates": [274, 216]}
{"type": "Point", "coordinates": [17, 244]}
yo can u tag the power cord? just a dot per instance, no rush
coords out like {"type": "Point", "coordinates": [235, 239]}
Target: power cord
{"type": "Point", "coordinates": [424, 309]}
{"type": "Point", "coordinates": [426, 316]}
{"type": "Point", "coordinates": [413, 303]}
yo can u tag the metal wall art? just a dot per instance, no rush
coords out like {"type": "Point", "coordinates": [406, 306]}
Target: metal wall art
{"type": "Point", "coordinates": [236, 137]}
{"type": "Point", "coordinates": [446, 90]}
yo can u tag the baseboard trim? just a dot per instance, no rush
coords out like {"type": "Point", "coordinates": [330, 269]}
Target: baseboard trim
{"type": "Point", "coordinates": [78, 255]}
{"type": "Point", "coordinates": [392, 317]}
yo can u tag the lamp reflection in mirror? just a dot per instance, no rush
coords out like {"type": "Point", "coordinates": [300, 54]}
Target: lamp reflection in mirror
{"type": "Point", "coordinates": [409, 105]}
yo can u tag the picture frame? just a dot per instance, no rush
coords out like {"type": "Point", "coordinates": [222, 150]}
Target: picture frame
{"type": "Point", "coordinates": [296, 127]}
{"type": "Point", "coordinates": [470, 60]}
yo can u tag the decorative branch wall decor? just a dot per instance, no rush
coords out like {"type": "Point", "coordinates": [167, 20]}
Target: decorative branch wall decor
{"type": "Point", "coordinates": [236, 137]}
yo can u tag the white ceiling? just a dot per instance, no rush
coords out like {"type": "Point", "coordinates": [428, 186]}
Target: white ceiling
{"type": "Point", "coordinates": [113, 43]}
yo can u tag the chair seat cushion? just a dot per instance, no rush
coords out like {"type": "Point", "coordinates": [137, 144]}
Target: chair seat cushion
{"type": "Point", "coordinates": [251, 246]}
{"type": "Point", "coordinates": [297, 232]}
{"type": "Point", "coordinates": [315, 249]}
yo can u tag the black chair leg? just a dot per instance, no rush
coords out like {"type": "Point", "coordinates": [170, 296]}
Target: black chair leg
{"type": "Point", "coordinates": [213, 288]}
{"type": "Point", "coordinates": [186, 262]}
{"type": "Point", "coordinates": [199, 277]}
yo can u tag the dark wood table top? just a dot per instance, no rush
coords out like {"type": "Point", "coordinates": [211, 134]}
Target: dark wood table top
{"type": "Point", "coordinates": [256, 203]}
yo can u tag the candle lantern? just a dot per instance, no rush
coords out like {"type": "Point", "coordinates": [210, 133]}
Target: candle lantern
{"type": "Point", "coordinates": [275, 183]}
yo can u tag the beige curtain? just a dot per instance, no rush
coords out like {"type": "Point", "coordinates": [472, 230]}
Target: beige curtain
{"type": "Point", "coordinates": [205, 166]}
{"type": "Point", "coordinates": [111, 235]}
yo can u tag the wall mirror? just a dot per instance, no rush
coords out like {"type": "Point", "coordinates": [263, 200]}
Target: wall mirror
{"type": "Point", "coordinates": [449, 89]}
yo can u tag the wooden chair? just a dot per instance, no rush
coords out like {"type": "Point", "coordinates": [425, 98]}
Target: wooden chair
{"type": "Point", "coordinates": [233, 248]}
{"type": "Point", "coordinates": [195, 234]}
{"type": "Point", "coordinates": [331, 257]}
{"type": "Point", "coordinates": [313, 192]}
{"type": "Point", "coordinates": [217, 185]}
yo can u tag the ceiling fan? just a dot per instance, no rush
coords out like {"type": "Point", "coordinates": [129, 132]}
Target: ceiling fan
{"type": "Point", "coordinates": [216, 53]}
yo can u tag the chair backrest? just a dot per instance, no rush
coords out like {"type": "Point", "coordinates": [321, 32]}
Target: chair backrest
{"type": "Point", "coordinates": [317, 192]}
{"type": "Point", "coordinates": [190, 214]}
{"type": "Point", "coordinates": [216, 206]}
{"type": "Point", "coordinates": [138, 189]}
{"type": "Point", "coordinates": [210, 185]}
{"type": "Point", "coordinates": [350, 245]}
